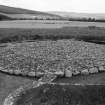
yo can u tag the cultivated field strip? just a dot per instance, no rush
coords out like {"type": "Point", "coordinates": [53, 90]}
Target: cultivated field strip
{"type": "Point", "coordinates": [61, 57]}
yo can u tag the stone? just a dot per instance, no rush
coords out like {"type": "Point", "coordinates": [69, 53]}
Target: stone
{"type": "Point", "coordinates": [4, 70]}
{"type": "Point", "coordinates": [39, 74]}
{"type": "Point", "coordinates": [68, 73]}
{"type": "Point", "coordinates": [101, 68]}
{"type": "Point", "coordinates": [10, 71]}
{"type": "Point", "coordinates": [32, 73]}
{"type": "Point", "coordinates": [17, 72]}
{"type": "Point", "coordinates": [76, 72]}
{"type": "Point", "coordinates": [1, 68]}
{"type": "Point", "coordinates": [85, 72]}
{"type": "Point", "coordinates": [59, 73]}
{"type": "Point", "coordinates": [93, 70]}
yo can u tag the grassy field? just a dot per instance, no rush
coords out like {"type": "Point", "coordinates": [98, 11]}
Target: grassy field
{"type": "Point", "coordinates": [46, 24]}
{"type": "Point", "coordinates": [90, 33]}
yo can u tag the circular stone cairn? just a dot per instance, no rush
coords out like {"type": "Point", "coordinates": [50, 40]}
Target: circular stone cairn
{"type": "Point", "coordinates": [61, 50]}
{"type": "Point", "coordinates": [76, 50]}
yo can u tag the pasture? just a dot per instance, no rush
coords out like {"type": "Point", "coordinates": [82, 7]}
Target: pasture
{"type": "Point", "coordinates": [47, 24]}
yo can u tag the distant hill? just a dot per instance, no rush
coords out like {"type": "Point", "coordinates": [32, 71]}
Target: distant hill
{"type": "Point", "coordinates": [19, 13]}
{"type": "Point", "coordinates": [5, 17]}
{"type": "Point", "coordinates": [79, 15]}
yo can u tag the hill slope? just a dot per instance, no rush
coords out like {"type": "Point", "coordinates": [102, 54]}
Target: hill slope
{"type": "Point", "coordinates": [18, 13]}
{"type": "Point", "coordinates": [79, 15]}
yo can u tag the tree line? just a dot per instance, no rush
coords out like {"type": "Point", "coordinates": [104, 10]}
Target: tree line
{"type": "Point", "coordinates": [87, 19]}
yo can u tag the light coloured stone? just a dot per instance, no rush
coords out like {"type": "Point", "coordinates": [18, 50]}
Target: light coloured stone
{"type": "Point", "coordinates": [4, 70]}
{"type": "Point", "coordinates": [76, 72]}
{"type": "Point", "coordinates": [101, 68]}
{"type": "Point", "coordinates": [10, 71]}
{"type": "Point", "coordinates": [85, 72]}
{"type": "Point", "coordinates": [59, 73]}
{"type": "Point", "coordinates": [39, 74]}
{"type": "Point", "coordinates": [68, 73]}
{"type": "Point", "coordinates": [17, 72]}
{"type": "Point", "coordinates": [1, 68]}
{"type": "Point", "coordinates": [93, 70]}
{"type": "Point", "coordinates": [31, 74]}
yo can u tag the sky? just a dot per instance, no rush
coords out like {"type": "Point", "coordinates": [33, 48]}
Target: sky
{"type": "Point", "coordinates": [81, 6]}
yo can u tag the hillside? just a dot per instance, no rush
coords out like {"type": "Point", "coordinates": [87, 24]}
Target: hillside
{"type": "Point", "coordinates": [4, 17]}
{"type": "Point", "coordinates": [79, 15]}
{"type": "Point", "coordinates": [19, 13]}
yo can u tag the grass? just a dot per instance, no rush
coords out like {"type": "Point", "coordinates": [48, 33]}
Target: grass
{"type": "Point", "coordinates": [93, 34]}
{"type": "Point", "coordinates": [9, 83]}
{"type": "Point", "coordinates": [63, 95]}
{"type": "Point", "coordinates": [47, 24]}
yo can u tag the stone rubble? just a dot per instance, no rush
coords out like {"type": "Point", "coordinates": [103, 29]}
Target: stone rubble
{"type": "Point", "coordinates": [62, 57]}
